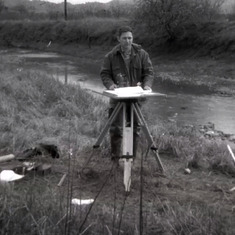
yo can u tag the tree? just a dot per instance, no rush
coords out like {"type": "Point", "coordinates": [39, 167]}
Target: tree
{"type": "Point", "coordinates": [163, 17]}
{"type": "Point", "coordinates": [169, 18]}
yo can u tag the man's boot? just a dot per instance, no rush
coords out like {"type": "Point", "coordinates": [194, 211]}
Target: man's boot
{"type": "Point", "coordinates": [116, 146]}
{"type": "Point", "coordinates": [136, 142]}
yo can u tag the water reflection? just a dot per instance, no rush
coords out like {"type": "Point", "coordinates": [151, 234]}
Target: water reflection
{"type": "Point", "coordinates": [186, 109]}
{"type": "Point", "coordinates": [31, 54]}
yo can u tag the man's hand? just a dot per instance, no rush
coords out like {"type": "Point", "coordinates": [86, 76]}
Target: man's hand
{"type": "Point", "coordinates": [147, 88]}
{"type": "Point", "coordinates": [112, 87]}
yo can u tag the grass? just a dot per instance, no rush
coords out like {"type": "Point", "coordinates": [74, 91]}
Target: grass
{"type": "Point", "coordinates": [197, 151]}
{"type": "Point", "coordinates": [36, 108]}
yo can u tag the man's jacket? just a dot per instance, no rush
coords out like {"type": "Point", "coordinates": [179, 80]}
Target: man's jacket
{"type": "Point", "coordinates": [140, 70]}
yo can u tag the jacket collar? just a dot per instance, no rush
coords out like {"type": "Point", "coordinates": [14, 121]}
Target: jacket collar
{"type": "Point", "coordinates": [135, 48]}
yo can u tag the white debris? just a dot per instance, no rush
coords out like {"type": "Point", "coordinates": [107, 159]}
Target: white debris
{"type": "Point", "coordinates": [232, 189]}
{"type": "Point", "coordinates": [187, 171]}
{"type": "Point", "coordinates": [29, 165]}
{"type": "Point", "coordinates": [76, 201]}
{"type": "Point", "coordinates": [49, 44]}
{"type": "Point", "coordinates": [9, 175]}
{"type": "Point", "coordinates": [231, 152]}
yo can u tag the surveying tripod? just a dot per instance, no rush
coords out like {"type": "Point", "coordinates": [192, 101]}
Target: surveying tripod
{"type": "Point", "coordinates": [128, 131]}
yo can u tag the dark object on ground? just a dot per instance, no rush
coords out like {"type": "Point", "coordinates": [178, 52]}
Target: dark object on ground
{"type": "Point", "coordinates": [43, 169]}
{"type": "Point", "coordinates": [39, 150]}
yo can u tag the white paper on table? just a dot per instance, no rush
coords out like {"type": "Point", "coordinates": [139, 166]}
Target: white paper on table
{"type": "Point", "coordinates": [128, 91]}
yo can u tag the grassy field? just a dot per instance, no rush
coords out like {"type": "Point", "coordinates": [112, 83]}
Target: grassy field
{"type": "Point", "coordinates": [36, 108]}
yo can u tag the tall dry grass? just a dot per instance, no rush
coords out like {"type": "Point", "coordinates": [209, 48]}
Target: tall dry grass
{"type": "Point", "coordinates": [196, 150]}
{"type": "Point", "coordinates": [35, 107]}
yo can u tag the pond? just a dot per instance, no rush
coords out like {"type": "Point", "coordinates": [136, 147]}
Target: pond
{"type": "Point", "coordinates": [179, 106]}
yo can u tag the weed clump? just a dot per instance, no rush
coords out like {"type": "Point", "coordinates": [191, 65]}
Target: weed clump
{"type": "Point", "coordinates": [197, 151]}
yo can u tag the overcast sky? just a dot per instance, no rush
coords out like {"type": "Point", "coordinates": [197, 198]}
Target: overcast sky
{"type": "Point", "coordinates": [77, 1]}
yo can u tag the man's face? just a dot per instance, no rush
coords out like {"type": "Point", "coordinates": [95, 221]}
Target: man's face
{"type": "Point", "coordinates": [126, 40]}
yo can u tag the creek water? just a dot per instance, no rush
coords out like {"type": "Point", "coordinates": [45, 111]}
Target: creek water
{"type": "Point", "coordinates": [180, 106]}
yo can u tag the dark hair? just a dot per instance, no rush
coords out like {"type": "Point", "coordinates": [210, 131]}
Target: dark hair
{"type": "Point", "coordinates": [124, 29]}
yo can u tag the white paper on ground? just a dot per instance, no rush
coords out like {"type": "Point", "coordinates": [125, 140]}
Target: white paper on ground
{"type": "Point", "coordinates": [9, 175]}
{"type": "Point", "coordinates": [76, 201]}
{"type": "Point", "coordinates": [231, 152]}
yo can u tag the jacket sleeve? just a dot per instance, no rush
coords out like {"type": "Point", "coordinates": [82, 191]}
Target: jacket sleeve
{"type": "Point", "coordinates": [106, 72]}
{"type": "Point", "coordinates": [147, 70]}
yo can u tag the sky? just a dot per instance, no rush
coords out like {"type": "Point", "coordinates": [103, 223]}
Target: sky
{"type": "Point", "coordinates": [77, 1]}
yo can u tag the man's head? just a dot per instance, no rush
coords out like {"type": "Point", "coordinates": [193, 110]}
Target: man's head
{"type": "Point", "coordinates": [125, 37]}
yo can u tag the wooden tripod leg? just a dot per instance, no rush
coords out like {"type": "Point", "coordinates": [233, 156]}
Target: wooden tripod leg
{"type": "Point", "coordinates": [108, 124]}
{"type": "Point", "coordinates": [147, 134]}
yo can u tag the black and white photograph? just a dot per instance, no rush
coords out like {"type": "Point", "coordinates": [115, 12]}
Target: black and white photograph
{"type": "Point", "coordinates": [117, 117]}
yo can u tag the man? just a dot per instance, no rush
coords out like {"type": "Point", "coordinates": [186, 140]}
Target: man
{"type": "Point", "coordinates": [127, 64]}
